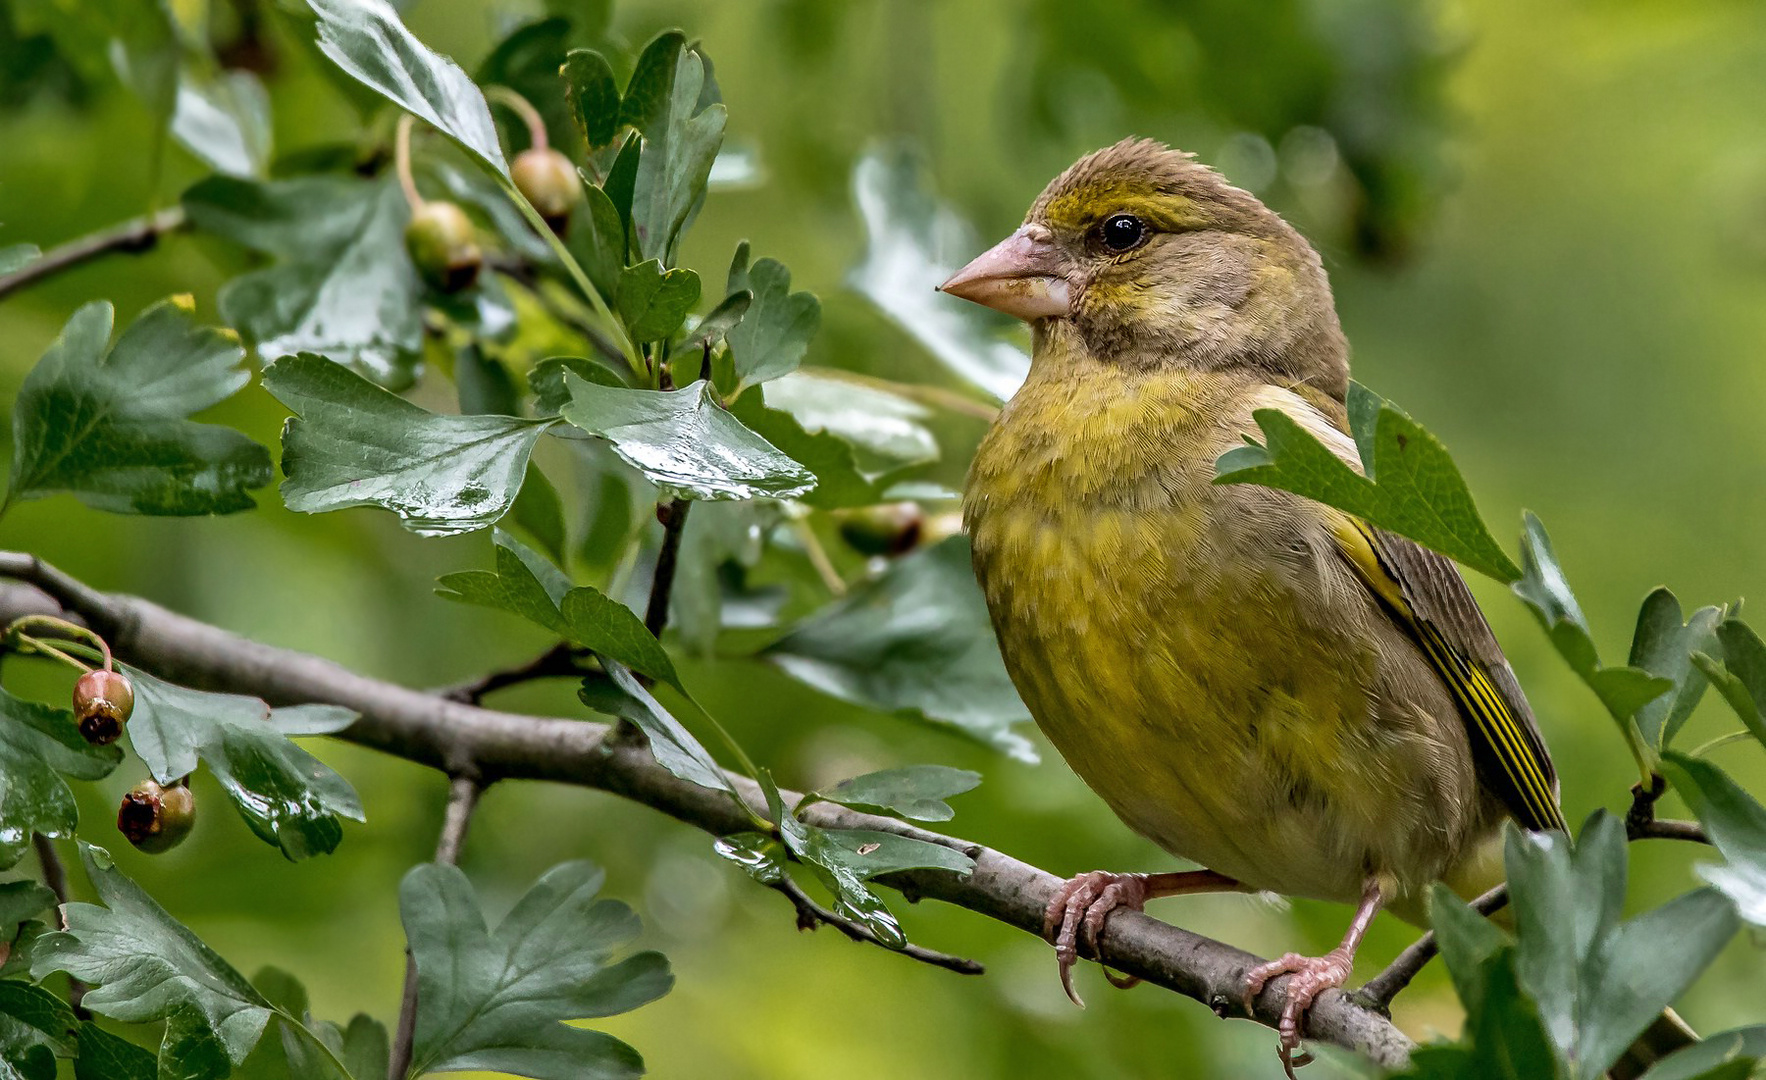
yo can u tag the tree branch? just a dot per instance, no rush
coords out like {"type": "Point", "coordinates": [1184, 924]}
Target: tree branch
{"type": "Point", "coordinates": [447, 735]}
{"type": "Point", "coordinates": [130, 237]}
{"type": "Point", "coordinates": [673, 515]}
{"type": "Point", "coordinates": [1379, 991]}
{"type": "Point", "coordinates": [463, 792]}
{"type": "Point", "coordinates": [557, 662]}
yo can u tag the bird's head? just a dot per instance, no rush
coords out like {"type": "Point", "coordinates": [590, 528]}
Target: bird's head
{"type": "Point", "coordinates": [1155, 260]}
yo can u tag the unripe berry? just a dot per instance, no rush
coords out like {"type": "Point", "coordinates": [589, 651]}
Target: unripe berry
{"type": "Point", "coordinates": [444, 245]}
{"type": "Point", "coordinates": [156, 819]}
{"type": "Point", "coordinates": [547, 180]}
{"type": "Point", "coordinates": [884, 529]}
{"type": "Point", "coordinates": [103, 701]}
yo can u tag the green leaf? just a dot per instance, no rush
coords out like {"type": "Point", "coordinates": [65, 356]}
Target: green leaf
{"type": "Point", "coordinates": [594, 96]}
{"type": "Point", "coordinates": [772, 337]}
{"type": "Point", "coordinates": [597, 238]}
{"type": "Point", "coordinates": [717, 325]}
{"type": "Point", "coordinates": [680, 142]}
{"type": "Point", "coordinates": [366, 39]}
{"type": "Point", "coordinates": [546, 380]}
{"type": "Point", "coordinates": [344, 285]}
{"type": "Point", "coordinates": [673, 746]}
{"type": "Point", "coordinates": [885, 430]}
{"type": "Point", "coordinates": [647, 93]}
{"type": "Point", "coordinates": [540, 513]}
{"type": "Point", "coordinates": [36, 1027]}
{"type": "Point", "coordinates": [365, 1048]}
{"type": "Point", "coordinates": [839, 481]}
{"type": "Point", "coordinates": [868, 853]}
{"type": "Point", "coordinates": [224, 119]}
{"type": "Point", "coordinates": [915, 640]}
{"type": "Point", "coordinates": [1663, 646]}
{"type": "Point", "coordinates": [1411, 486]}
{"type": "Point", "coordinates": [684, 442]}
{"type": "Point", "coordinates": [110, 426]}
{"type": "Point", "coordinates": [525, 584]}
{"type": "Point", "coordinates": [104, 1056]}
{"type": "Point", "coordinates": [915, 791]}
{"type": "Point", "coordinates": [497, 1001]}
{"type": "Point", "coordinates": [38, 746]}
{"type": "Point", "coordinates": [358, 445]}
{"type": "Point", "coordinates": [19, 901]}
{"type": "Point", "coordinates": [760, 856]}
{"type": "Point", "coordinates": [17, 257]}
{"type": "Point", "coordinates": [1727, 1055]}
{"type": "Point", "coordinates": [1599, 982]}
{"type": "Point", "coordinates": [143, 965]}
{"type": "Point", "coordinates": [288, 797]}
{"type": "Point", "coordinates": [911, 241]}
{"type": "Point", "coordinates": [1546, 591]}
{"type": "Point", "coordinates": [1468, 942]}
{"type": "Point", "coordinates": [1741, 677]}
{"type": "Point", "coordinates": [1737, 826]}
{"type": "Point", "coordinates": [652, 303]}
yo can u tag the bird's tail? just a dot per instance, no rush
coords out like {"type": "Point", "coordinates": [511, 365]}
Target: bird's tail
{"type": "Point", "coordinates": [1666, 1034]}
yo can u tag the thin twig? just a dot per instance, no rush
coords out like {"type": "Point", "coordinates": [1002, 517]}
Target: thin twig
{"type": "Point", "coordinates": [557, 662]}
{"type": "Point", "coordinates": [432, 731]}
{"type": "Point", "coordinates": [811, 915]}
{"type": "Point", "coordinates": [818, 557]}
{"type": "Point", "coordinates": [1690, 831]}
{"type": "Point", "coordinates": [1379, 991]}
{"type": "Point", "coordinates": [130, 237]}
{"type": "Point", "coordinates": [55, 878]}
{"type": "Point", "coordinates": [1641, 822]}
{"type": "Point", "coordinates": [463, 792]}
{"type": "Point", "coordinates": [401, 160]}
{"type": "Point", "coordinates": [673, 515]}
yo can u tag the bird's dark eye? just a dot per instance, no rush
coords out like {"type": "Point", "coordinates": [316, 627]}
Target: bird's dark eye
{"type": "Point", "coordinates": [1122, 232]}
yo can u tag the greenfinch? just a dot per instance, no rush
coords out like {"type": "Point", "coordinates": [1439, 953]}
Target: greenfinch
{"type": "Point", "coordinates": [1268, 687]}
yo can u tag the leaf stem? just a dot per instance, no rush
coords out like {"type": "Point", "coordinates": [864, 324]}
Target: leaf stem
{"type": "Point", "coordinates": [536, 125]}
{"type": "Point", "coordinates": [74, 631]}
{"type": "Point", "coordinates": [1722, 740]}
{"type": "Point", "coordinates": [818, 556]}
{"type": "Point", "coordinates": [610, 323]}
{"type": "Point", "coordinates": [131, 237]}
{"type": "Point", "coordinates": [811, 914]}
{"type": "Point", "coordinates": [401, 161]}
{"type": "Point", "coordinates": [463, 791]}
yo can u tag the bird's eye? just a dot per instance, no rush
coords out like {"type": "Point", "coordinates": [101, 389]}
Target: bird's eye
{"type": "Point", "coordinates": [1122, 232]}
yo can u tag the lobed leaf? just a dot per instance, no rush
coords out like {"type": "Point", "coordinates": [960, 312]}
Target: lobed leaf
{"type": "Point", "coordinates": [289, 798]}
{"type": "Point", "coordinates": [39, 745]}
{"type": "Point", "coordinates": [652, 302]}
{"type": "Point", "coordinates": [1741, 676]}
{"type": "Point", "coordinates": [594, 96]}
{"type": "Point", "coordinates": [914, 640]}
{"type": "Point", "coordinates": [1736, 823]}
{"type": "Point", "coordinates": [36, 1027]}
{"type": "Point", "coordinates": [681, 139]}
{"type": "Point", "coordinates": [914, 791]}
{"type": "Point", "coordinates": [1663, 645]}
{"type": "Point", "coordinates": [368, 41]}
{"type": "Point", "coordinates": [110, 426]}
{"type": "Point", "coordinates": [776, 330]}
{"type": "Point", "coordinates": [684, 442]}
{"type": "Point", "coordinates": [355, 444]}
{"type": "Point", "coordinates": [497, 1001]}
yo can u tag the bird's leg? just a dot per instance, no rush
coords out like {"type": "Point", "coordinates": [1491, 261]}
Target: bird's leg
{"type": "Point", "coordinates": [1313, 975]}
{"type": "Point", "coordinates": [1076, 914]}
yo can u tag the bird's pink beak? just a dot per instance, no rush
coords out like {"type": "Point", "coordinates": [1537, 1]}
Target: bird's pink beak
{"type": "Point", "coordinates": [1022, 275]}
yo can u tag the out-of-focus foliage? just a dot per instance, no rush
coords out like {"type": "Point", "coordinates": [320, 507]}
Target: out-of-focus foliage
{"type": "Point", "coordinates": [1533, 248]}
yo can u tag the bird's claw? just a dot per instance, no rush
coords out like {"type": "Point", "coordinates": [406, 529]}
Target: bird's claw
{"type": "Point", "coordinates": [1312, 976]}
{"type": "Point", "coordinates": [1076, 915]}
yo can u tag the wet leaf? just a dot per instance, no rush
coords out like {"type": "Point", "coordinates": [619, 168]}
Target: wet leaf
{"type": "Point", "coordinates": [684, 442]}
{"type": "Point", "coordinates": [343, 285]}
{"type": "Point", "coordinates": [224, 120]}
{"type": "Point", "coordinates": [885, 430]}
{"type": "Point", "coordinates": [289, 798]}
{"type": "Point", "coordinates": [110, 426]}
{"type": "Point", "coordinates": [1599, 982]}
{"type": "Point", "coordinates": [673, 746]}
{"type": "Point", "coordinates": [143, 965]}
{"type": "Point", "coordinates": [681, 140]}
{"type": "Point", "coordinates": [915, 791]}
{"type": "Point", "coordinates": [653, 303]}
{"type": "Point", "coordinates": [355, 444]}
{"type": "Point", "coordinates": [915, 640]}
{"type": "Point", "coordinates": [498, 1000]}
{"type": "Point", "coordinates": [36, 1027]}
{"type": "Point", "coordinates": [774, 334]}
{"type": "Point", "coordinates": [760, 857]}
{"type": "Point", "coordinates": [525, 584]}
{"type": "Point", "coordinates": [912, 243]}
{"type": "Point", "coordinates": [1411, 485]}
{"type": "Point", "coordinates": [1736, 823]}
{"type": "Point", "coordinates": [366, 39]}
{"type": "Point", "coordinates": [38, 746]}
{"type": "Point", "coordinates": [839, 481]}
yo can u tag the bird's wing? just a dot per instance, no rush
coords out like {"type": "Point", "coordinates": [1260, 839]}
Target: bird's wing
{"type": "Point", "coordinates": [1425, 595]}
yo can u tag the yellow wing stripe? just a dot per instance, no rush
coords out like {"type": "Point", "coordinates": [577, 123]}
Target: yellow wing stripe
{"type": "Point", "coordinates": [1469, 683]}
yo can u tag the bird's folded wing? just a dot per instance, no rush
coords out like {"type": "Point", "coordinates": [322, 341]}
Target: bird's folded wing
{"type": "Point", "coordinates": [1426, 595]}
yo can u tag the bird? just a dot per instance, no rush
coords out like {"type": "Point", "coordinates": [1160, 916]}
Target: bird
{"type": "Point", "coordinates": [1293, 699]}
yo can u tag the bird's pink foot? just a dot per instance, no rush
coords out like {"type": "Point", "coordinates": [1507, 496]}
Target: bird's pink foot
{"type": "Point", "coordinates": [1076, 916]}
{"type": "Point", "coordinates": [1312, 976]}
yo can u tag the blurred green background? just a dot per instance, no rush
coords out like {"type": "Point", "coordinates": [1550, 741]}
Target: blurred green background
{"type": "Point", "coordinates": [1546, 224]}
